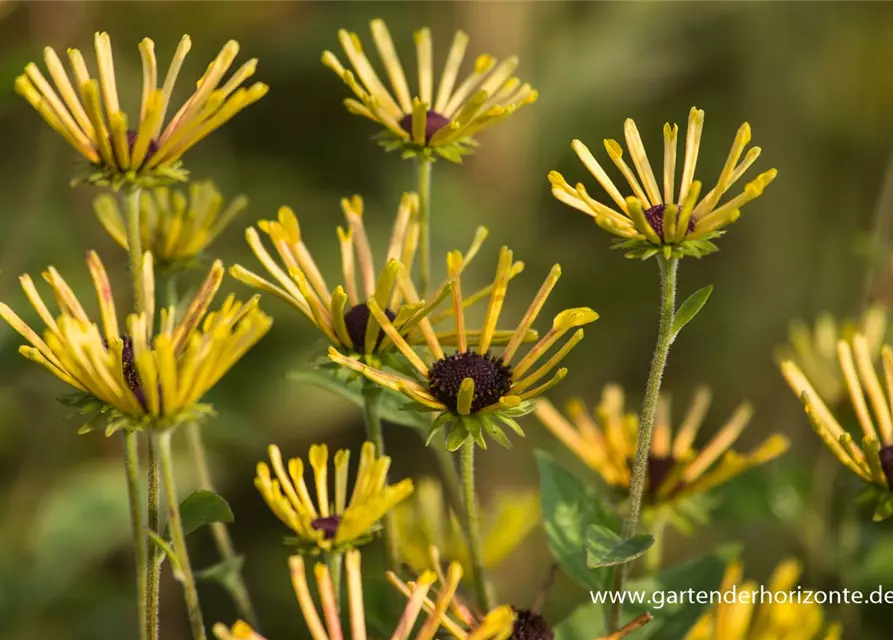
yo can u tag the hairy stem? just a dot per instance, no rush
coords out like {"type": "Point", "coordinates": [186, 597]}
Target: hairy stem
{"type": "Point", "coordinates": [153, 574]}
{"type": "Point", "coordinates": [473, 527]}
{"type": "Point", "coordinates": [668, 270]}
{"type": "Point", "coordinates": [132, 471]}
{"type": "Point", "coordinates": [135, 247]}
{"type": "Point", "coordinates": [372, 396]}
{"type": "Point", "coordinates": [131, 446]}
{"type": "Point", "coordinates": [178, 538]}
{"type": "Point", "coordinates": [424, 191]}
{"type": "Point", "coordinates": [219, 531]}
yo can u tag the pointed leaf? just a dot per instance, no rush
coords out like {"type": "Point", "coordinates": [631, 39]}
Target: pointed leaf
{"type": "Point", "coordinates": [351, 389]}
{"type": "Point", "coordinates": [569, 506]}
{"type": "Point", "coordinates": [604, 548]}
{"type": "Point", "coordinates": [457, 436]}
{"type": "Point", "coordinates": [200, 508]}
{"type": "Point", "coordinates": [690, 308]}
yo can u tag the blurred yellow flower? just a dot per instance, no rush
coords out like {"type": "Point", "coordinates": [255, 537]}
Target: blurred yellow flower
{"type": "Point", "coordinates": [606, 441]}
{"type": "Point", "coordinates": [675, 223]}
{"type": "Point", "coordinates": [140, 151]}
{"type": "Point", "coordinates": [873, 462]}
{"type": "Point", "coordinates": [136, 379]}
{"type": "Point", "coordinates": [425, 123]}
{"type": "Point", "coordinates": [426, 521]}
{"type": "Point", "coordinates": [814, 350]}
{"type": "Point", "coordinates": [473, 390]}
{"type": "Point", "coordinates": [750, 620]}
{"type": "Point", "coordinates": [330, 525]}
{"type": "Point", "coordinates": [175, 227]}
{"type": "Point", "coordinates": [433, 614]}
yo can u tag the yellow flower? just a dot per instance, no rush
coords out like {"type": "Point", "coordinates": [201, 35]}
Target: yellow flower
{"type": "Point", "coordinates": [473, 390]}
{"type": "Point", "coordinates": [426, 521]}
{"type": "Point", "coordinates": [814, 350]}
{"type": "Point", "coordinates": [432, 613]}
{"type": "Point", "coordinates": [343, 315]}
{"type": "Point", "coordinates": [140, 151]}
{"type": "Point", "coordinates": [747, 619]}
{"type": "Point", "coordinates": [329, 525]}
{"type": "Point", "coordinates": [138, 378]}
{"type": "Point", "coordinates": [651, 221]}
{"type": "Point", "coordinates": [873, 462]}
{"type": "Point", "coordinates": [175, 227]}
{"type": "Point", "coordinates": [425, 123]}
{"type": "Point", "coordinates": [605, 440]}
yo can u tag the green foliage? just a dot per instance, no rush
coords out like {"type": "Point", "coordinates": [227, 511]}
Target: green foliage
{"type": "Point", "coordinates": [690, 308]}
{"type": "Point", "coordinates": [200, 508]}
{"type": "Point", "coordinates": [351, 388]}
{"type": "Point", "coordinates": [605, 548]}
{"type": "Point", "coordinates": [569, 507]}
{"type": "Point", "coordinates": [584, 623]}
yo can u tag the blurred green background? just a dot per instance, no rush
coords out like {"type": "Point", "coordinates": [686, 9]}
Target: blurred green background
{"type": "Point", "coordinates": [811, 78]}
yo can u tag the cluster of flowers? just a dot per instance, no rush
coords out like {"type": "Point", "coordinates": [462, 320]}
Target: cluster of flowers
{"type": "Point", "coordinates": [153, 372]}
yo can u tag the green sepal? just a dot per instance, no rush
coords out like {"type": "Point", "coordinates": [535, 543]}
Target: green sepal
{"type": "Point", "coordinates": [880, 500]}
{"type": "Point", "coordinates": [112, 177]}
{"type": "Point", "coordinates": [452, 151]}
{"type": "Point", "coordinates": [309, 548]}
{"type": "Point", "coordinates": [497, 434]}
{"type": "Point", "coordinates": [457, 435]}
{"type": "Point", "coordinates": [641, 249]}
{"type": "Point", "coordinates": [114, 420]}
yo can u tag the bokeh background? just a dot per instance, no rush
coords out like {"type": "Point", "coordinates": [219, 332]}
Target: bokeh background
{"type": "Point", "coordinates": [811, 78]}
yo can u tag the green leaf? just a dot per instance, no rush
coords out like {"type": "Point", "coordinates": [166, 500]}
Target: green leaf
{"type": "Point", "coordinates": [200, 508]}
{"type": "Point", "coordinates": [569, 506]}
{"type": "Point", "coordinates": [584, 623]}
{"type": "Point", "coordinates": [604, 548]}
{"type": "Point", "coordinates": [675, 613]}
{"type": "Point", "coordinates": [226, 573]}
{"type": "Point", "coordinates": [690, 308]}
{"type": "Point", "coordinates": [884, 508]}
{"type": "Point", "coordinates": [351, 389]}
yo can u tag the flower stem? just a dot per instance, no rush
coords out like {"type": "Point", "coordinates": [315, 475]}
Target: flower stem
{"type": "Point", "coordinates": [668, 269]}
{"type": "Point", "coordinates": [132, 471]}
{"type": "Point", "coordinates": [473, 532]}
{"type": "Point", "coordinates": [424, 191]}
{"type": "Point", "coordinates": [334, 560]}
{"type": "Point", "coordinates": [135, 247]}
{"type": "Point", "coordinates": [153, 573]}
{"type": "Point", "coordinates": [178, 538]}
{"type": "Point", "coordinates": [147, 614]}
{"type": "Point", "coordinates": [222, 540]}
{"type": "Point", "coordinates": [449, 474]}
{"type": "Point", "coordinates": [219, 531]}
{"type": "Point", "coordinates": [372, 395]}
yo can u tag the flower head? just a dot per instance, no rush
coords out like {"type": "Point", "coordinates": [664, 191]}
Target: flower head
{"type": "Point", "coordinates": [140, 151]}
{"type": "Point", "coordinates": [873, 461]}
{"type": "Point", "coordinates": [674, 223]}
{"type": "Point", "coordinates": [434, 612]}
{"type": "Point", "coordinates": [606, 441]}
{"type": "Point", "coordinates": [473, 390]}
{"type": "Point", "coordinates": [814, 349]}
{"type": "Point", "coordinates": [337, 524]}
{"type": "Point", "coordinates": [426, 521]}
{"type": "Point", "coordinates": [176, 227]}
{"type": "Point", "coordinates": [780, 618]}
{"type": "Point", "coordinates": [344, 315]}
{"type": "Point", "coordinates": [424, 123]}
{"type": "Point", "coordinates": [138, 378]}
